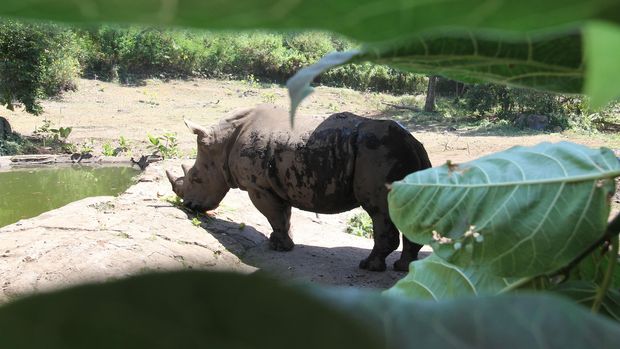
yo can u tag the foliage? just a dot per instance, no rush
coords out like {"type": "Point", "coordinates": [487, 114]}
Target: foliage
{"type": "Point", "coordinates": [86, 147]}
{"type": "Point", "coordinates": [166, 145]}
{"type": "Point", "coordinates": [498, 223]}
{"type": "Point", "coordinates": [50, 57]}
{"type": "Point", "coordinates": [47, 133]}
{"type": "Point", "coordinates": [14, 144]}
{"type": "Point", "coordinates": [135, 52]}
{"type": "Point", "coordinates": [186, 309]}
{"type": "Point", "coordinates": [45, 136]}
{"type": "Point", "coordinates": [509, 103]}
{"type": "Point", "coordinates": [181, 310]}
{"type": "Point", "coordinates": [174, 200]}
{"type": "Point", "coordinates": [107, 149]}
{"type": "Point", "coordinates": [37, 60]}
{"type": "Point", "coordinates": [123, 144]}
{"type": "Point", "coordinates": [478, 211]}
{"type": "Point", "coordinates": [360, 225]}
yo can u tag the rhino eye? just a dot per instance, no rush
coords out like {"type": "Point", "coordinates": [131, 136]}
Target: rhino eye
{"type": "Point", "coordinates": [196, 179]}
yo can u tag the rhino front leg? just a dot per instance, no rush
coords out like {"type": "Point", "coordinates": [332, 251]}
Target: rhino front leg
{"type": "Point", "coordinates": [386, 238]}
{"type": "Point", "coordinates": [278, 213]}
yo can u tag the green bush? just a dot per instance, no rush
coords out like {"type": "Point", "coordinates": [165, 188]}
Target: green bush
{"type": "Point", "coordinates": [37, 61]}
{"type": "Point", "coordinates": [507, 103]}
{"type": "Point", "coordinates": [484, 98]}
{"type": "Point", "coordinates": [103, 48]}
{"type": "Point", "coordinates": [15, 144]}
{"type": "Point", "coordinates": [136, 53]}
{"type": "Point", "coordinates": [44, 60]}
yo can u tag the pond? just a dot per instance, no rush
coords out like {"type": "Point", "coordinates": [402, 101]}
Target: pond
{"type": "Point", "coordinates": [26, 193]}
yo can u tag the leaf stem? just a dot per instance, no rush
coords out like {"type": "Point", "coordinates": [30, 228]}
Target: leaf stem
{"type": "Point", "coordinates": [515, 285]}
{"type": "Point", "coordinates": [600, 294]}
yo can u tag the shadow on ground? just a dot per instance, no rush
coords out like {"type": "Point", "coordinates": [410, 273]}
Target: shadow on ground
{"type": "Point", "coordinates": [324, 265]}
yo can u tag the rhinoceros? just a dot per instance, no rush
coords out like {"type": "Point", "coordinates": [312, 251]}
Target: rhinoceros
{"type": "Point", "coordinates": [322, 165]}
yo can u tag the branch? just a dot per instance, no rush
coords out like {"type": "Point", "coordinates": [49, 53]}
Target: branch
{"type": "Point", "coordinates": [602, 291]}
{"type": "Point", "coordinates": [613, 229]}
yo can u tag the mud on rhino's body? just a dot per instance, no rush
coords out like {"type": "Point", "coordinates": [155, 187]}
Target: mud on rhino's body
{"type": "Point", "coordinates": [322, 165]}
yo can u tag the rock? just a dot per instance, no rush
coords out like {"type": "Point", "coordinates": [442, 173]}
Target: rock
{"type": "Point", "coordinates": [532, 121]}
{"type": "Point", "coordinates": [5, 128]}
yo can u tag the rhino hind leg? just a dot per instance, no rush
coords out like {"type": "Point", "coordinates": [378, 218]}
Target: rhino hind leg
{"type": "Point", "coordinates": [386, 238]}
{"type": "Point", "coordinates": [409, 254]}
{"type": "Point", "coordinates": [278, 213]}
{"type": "Point", "coordinates": [278, 242]}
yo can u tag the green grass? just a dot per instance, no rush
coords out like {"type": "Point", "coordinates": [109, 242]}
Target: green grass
{"type": "Point", "coordinates": [360, 225]}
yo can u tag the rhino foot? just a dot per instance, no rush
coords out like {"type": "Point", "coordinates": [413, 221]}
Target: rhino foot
{"type": "Point", "coordinates": [401, 265]}
{"type": "Point", "coordinates": [279, 243]}
{"type": "Point", "coordinates": [373, 264]}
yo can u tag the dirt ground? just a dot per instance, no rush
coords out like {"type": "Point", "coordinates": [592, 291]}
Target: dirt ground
{"type": "Point", "coordinates": [100, 112]}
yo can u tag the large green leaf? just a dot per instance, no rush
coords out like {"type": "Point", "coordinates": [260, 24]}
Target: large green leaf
{"type": "Point", "coordinates": [366, 20]}
{"type": "Point", "coordinates": [522, 212]}
{"type": "Point", "coordinates": [299, 87]}
{"type": "Point", "coordinates": [508, 321]}
{"type": "Point", "coordinates": [180, 310]}
{"type": "Point", "coordinates": [216, 310]}
{"type": "Point", "coordinates": [584, 292]}
{"type": "Point", "coordinates": [601, 54]}
{"type": "Point", "coordinates": [435, 279]}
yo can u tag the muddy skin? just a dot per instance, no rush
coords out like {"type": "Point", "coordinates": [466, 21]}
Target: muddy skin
{"type": "Point", "coordinates": [323, 165]}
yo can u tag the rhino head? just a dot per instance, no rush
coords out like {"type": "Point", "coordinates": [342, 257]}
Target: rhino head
{"type": "Point", "coordinates": [202, 186]}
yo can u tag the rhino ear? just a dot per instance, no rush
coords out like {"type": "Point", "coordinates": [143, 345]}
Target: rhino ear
{"type": "Point", "coordinates": [198, 130]}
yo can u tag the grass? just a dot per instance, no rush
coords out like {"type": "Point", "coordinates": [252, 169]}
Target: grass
{"type": "Point", "coordinates": [360, 225]}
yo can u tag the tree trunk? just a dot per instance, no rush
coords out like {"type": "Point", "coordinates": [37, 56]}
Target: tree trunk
{"type": "Point", "coordinates": [429, 106]}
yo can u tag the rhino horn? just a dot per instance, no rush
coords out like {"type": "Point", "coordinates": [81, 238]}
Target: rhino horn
{"type": "Point", "coordinates": [185, 169]}
{"type": "Point", "coordinates": [176, 182]}
{"type": "Point", "coordinates": [196, 129]}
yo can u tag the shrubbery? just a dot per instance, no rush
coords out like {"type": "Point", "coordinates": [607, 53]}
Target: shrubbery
{"type": "Point", "coordinates": [134, 53]}
{"type": "Point", "coordinates": [508, 103]}
{"type": "Point", "coordinates": [35, 61]}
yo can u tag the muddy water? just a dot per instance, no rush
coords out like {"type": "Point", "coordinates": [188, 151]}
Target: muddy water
{"type": "Point", "coordinates": [26, 193]}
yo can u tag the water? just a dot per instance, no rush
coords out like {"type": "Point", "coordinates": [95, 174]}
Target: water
{"type": "Point", "coordinates": [26, 193]}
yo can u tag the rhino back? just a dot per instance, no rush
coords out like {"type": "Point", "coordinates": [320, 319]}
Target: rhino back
{"type": "Point", "coordinates": [317, 172]}
{"type": "Point", "coordinates": [310, 166]}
